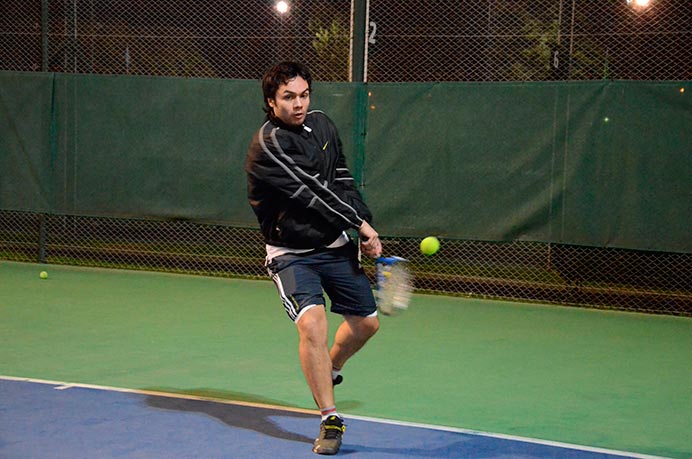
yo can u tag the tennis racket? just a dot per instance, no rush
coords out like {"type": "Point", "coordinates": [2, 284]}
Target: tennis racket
{"type": "Point", "coordinates": [394, 286]}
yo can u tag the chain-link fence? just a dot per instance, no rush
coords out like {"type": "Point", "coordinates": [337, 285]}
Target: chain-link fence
{"type": "Point", "coordinates": [211, 39]}
{"type": "Point", "coordinates": [572, 275]}
{"type": "Point", "coordinates": [443, 40]}
{"type": "Point", "coordinates": [402, 41]}
{"type": "Point", "coordinates": [530, 40]}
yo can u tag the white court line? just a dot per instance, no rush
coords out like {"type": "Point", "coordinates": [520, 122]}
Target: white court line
{"type": "Point", "coordinates": [537, 441]}
{"type": "Point", "coordinates": [60, 385]}
{"type": "Point", "coordinates": [66, 386]}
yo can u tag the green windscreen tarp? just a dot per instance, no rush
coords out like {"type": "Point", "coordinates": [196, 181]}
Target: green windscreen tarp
{"type": "Point", "coordinates": [154, 147]}
{"type": "Point", "coordinates": [25, 141]}
{"type": "Point", "coordinates": [593, 163]}
{"type": "Point", "coordinates": [628, 181]}
{"type": "Point", "coordinates": [599, 163]}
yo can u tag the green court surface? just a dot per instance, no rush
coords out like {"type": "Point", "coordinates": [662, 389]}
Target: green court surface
{"type": "Point", "coordinates": [598, 378]}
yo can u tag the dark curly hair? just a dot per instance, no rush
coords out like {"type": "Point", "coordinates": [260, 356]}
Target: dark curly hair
{"type": "Point", "coordinates": [280, 74]}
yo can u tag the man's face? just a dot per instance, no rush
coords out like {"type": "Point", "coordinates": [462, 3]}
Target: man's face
{"type": "Point", "coordinates": [291, 102]}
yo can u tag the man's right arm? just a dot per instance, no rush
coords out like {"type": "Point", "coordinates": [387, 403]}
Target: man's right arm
{"type": "Point", "coordinates": [370, 244]}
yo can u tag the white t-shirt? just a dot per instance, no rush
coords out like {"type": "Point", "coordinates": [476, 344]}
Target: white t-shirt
{"type": "Point", "coordinates": [274, 251]}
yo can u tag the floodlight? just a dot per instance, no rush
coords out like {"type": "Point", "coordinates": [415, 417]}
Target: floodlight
{"type": "Point", "coordinates": [639, 4]}
{"type": "Point", "coordinates": [282, 7]}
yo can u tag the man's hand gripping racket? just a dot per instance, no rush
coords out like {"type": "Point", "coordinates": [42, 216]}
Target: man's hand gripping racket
{"type": "Point", "coordinates": [393, 278]}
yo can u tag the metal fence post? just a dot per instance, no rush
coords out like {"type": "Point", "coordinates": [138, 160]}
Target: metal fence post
{"type": "Point", "coordinates": [359, 13]}
{"type": "Point", "coordinates": [358, 31]}
{"type": "Point", "coordinates": [42, 237]}
{"type": "Point", "coordinates": [44, 35]}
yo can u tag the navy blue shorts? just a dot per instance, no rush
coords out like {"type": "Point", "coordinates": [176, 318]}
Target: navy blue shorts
{"type": "Point", "coordinates": [302, 278]}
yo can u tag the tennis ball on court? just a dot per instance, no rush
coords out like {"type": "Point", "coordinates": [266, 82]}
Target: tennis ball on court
{"type": "Point", "coordinates": [43, 275]}
{"type": "Point", "coordinates": [430, 245]}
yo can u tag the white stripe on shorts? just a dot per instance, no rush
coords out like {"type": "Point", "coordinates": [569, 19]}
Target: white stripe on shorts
{"type": "Point", "coordinates": [288, 304]}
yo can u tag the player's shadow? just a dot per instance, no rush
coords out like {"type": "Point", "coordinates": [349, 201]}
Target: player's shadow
{"type": "Point", "coordinates": [263, 420]}
{"type": "Point", "coordinates": [259, 419]}
{"type": "Point", "coordinates": [253, 418]}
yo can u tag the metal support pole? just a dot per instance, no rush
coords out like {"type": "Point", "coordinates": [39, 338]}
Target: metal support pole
{"type": "Point", "coordinates": [359, 12]}
{"type": "Point", "coordinates": [42, 238]}
{"type": "Point", "coordinates": [571, 40]}
{"type": "Point", "coordinates": [44, 35]}
{"type": "Point", "coordinates": [359, 30]}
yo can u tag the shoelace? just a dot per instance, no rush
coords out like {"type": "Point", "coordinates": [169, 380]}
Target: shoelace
{"type": "Point", "coordinates": [332, 432]}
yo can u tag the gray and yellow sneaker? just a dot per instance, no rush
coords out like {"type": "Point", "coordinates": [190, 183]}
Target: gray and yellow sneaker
{"type": "Point", "coordinates": [331, 431]}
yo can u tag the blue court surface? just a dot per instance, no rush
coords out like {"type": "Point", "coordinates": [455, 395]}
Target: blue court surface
{"type": "Point", "coordinates": [50, 420]}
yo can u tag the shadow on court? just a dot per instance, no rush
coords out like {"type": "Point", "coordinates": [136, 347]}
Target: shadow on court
{"type": "Point", "coordinates": [53, 420]}
{"type": "Point", "coordinates": [274, 423]}
{"type": "Point", "coordinates": [236, 416]}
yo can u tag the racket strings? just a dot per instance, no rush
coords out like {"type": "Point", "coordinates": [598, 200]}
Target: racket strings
{"type": "Point", "coordinates": [394, 288]}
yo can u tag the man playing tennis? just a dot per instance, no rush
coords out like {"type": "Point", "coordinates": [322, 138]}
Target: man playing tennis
{"type": "Point", "coordinates": [305, 200]}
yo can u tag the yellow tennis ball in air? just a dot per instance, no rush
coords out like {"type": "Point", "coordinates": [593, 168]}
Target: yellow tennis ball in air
{"type": "Point", "coordinates": [43, 275]}
{"type": "Point", "coordinates": [430, 245]}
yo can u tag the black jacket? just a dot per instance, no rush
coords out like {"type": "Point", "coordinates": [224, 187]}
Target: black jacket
{"type": "Point", "coordinates": [299, 185]}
